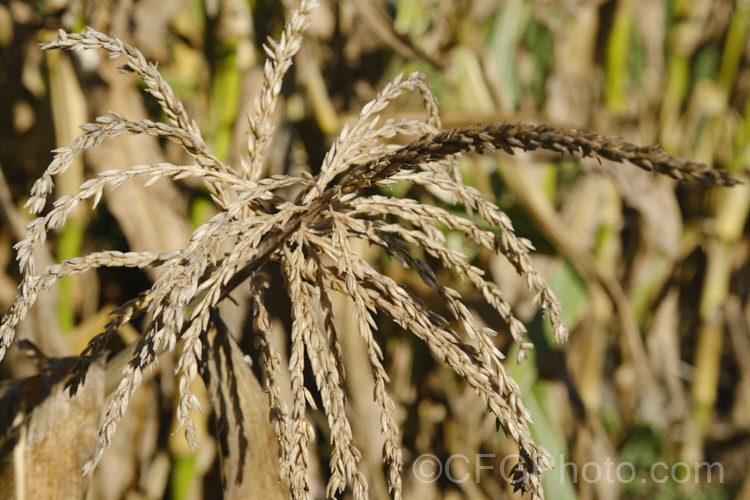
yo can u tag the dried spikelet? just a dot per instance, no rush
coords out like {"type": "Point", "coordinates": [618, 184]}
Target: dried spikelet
{"type": "Point", "coordinates": [311, 240]}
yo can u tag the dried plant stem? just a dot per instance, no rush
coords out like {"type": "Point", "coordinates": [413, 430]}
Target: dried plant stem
{"type": "Point", "coordinates": [529, 137]}
{"type": "Point", "coordinates": [301, 430]}
{"type": "Point", "coordinates": [270, 361]}
{"type": "Point", "coordinates": [279, 61]}
{"type": "Point", "coordinates": [310, 237]}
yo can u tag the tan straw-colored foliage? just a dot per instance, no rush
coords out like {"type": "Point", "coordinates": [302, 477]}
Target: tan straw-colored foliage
{"type": "Point", "coordinates": [311, 227]}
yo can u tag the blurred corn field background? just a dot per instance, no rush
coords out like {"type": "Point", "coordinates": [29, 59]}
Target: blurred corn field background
{"type": "Point", "coordinates": [651, 273]}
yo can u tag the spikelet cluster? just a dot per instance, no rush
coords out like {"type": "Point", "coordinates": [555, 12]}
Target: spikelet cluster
{"type": "Point", "coordinates": [311, 237]}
